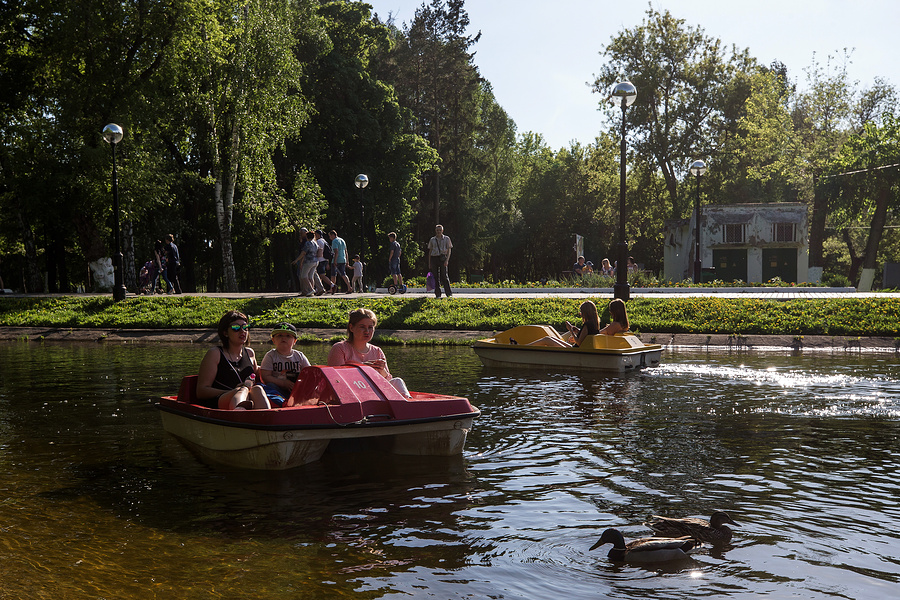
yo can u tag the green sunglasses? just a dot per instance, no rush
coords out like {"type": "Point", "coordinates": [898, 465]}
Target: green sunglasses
{"type": "Point", "coordinates": [240, 327]}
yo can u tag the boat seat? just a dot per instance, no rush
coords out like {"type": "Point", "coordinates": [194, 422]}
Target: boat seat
{"type": "Point", "coordinates": [620, 341]}
{"type": "Point", "coordinates": [525, 334]}
{"type": "Point", "coordinates": [188, 390]}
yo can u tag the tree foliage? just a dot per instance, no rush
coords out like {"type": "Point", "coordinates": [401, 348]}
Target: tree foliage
{"type": "Point", "coordinates": [246, 119]}
{"type": "Point", "coordinates": [685, 89]}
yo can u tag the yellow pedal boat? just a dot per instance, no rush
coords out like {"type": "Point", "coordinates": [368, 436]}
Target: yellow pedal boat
{"type": "Point", "coordinates": [616, 353]}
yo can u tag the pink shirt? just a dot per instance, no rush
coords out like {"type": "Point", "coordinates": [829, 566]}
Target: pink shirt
{"type": "Point", "coordinates": [344, 352]}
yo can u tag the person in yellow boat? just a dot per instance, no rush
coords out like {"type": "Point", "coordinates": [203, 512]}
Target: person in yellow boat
{"type": "Point", "coordinates": [590, 326]}
{"type": "Point", "coordinates": [619, 317]}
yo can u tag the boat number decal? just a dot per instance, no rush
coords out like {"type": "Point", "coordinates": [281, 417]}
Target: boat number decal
{"type": "Point", "coordinates": [360, 384]}
{"type": "Point", "coordinates": [288, 435]}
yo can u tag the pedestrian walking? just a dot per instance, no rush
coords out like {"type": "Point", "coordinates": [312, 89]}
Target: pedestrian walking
{"type": "Point", "coordinates": [439, 248]}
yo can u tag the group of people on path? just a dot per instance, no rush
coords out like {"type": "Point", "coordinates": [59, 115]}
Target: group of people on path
{"type": "Point", "coordinates": [165, 264]}
{"type": "Point", "coordinates": [322, 263]}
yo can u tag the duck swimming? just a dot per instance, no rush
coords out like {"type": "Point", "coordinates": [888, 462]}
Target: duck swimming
{"type": "Point", "coordinates": [713, 531]}
{"type": "Point", "coordinates": [645, 550]}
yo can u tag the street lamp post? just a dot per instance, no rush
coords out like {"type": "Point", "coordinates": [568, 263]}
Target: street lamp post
{"type": "Point", "coordinates": [362, 181]}
{"type": "Point", "coordinates": [698, 168]}
{"type": "Point", "coordinates": [623, 94]}
{"type": "Point", "coordinates": [112, 133]}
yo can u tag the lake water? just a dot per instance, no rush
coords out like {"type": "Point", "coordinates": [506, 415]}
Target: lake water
{"type": "Point", "coordinates": [98, 502]}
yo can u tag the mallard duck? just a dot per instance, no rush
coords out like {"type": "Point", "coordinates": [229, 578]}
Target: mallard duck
{"type": "Point", "coordinates": [713, 531]}
{"type": "Point", "coordinates": [645, 550]}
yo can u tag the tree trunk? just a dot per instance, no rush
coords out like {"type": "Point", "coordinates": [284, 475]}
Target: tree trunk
{"type": "Point", "coordinates": [128, 269]}
{"type": "Point", "coordinates": [817, 227]}
{"type": "Point", "coordinates": [437, 199]}
{"type": "Point", "coordinates": [876, 228]}
{"type": "Point", "coordinates": [32, 279]}
{"type": "Point", "coordinates": [224, 175]}
{"type": "Point", "coordinates": [855, 260]}
{"type": "Point", "coordinates": [224, 196]}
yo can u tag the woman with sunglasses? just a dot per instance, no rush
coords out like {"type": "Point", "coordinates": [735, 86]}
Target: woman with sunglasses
{"type": "Point", "coordinates": [225, 374]}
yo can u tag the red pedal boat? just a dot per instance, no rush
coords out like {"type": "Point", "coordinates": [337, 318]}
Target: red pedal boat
{"type": "Point", "coordinates": [334, 404]}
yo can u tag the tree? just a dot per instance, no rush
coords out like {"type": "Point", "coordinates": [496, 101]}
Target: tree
{"type": "Point", "coordinates": [682, 77]}
{"type": "Point", "coordinates": [761, 161]}
{"type": "Point", "coordinates": [359, 127]}
{"type": "Point", "coordinates": [72, 68]}
{"type": "Point", "coordinates": [822, 122]}
{"type": "Point", "coordinates": [866, 187]}
{"type": "Point", "coordinates": [438, 81]}
{"type": "Point", "coordinates": [239, 96]}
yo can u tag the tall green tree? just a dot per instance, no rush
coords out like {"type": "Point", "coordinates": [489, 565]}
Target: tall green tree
{"type": "Point", "coordinates": [358, 126]}
{"type": "Point", "coordinates": [865, 187]}
{"type": "Point", "coordinates": [75, 67]}
{"type": "Point", "coordinates": [683, 79]}
{"type": "Point", "coordinates": [822, 120]}
{"type": "Point", "coordinates": [238, 86]}
{"type": "Point", "coordinates": [439, 82]}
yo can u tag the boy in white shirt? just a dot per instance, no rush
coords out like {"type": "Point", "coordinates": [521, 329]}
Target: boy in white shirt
{"type": "Point", "coordinates": [281, 365]}
{"type": "Point", "coordinates": [357, 273]}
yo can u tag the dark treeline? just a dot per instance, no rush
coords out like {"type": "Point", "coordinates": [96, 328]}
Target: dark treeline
{"type": "Point", "coordinates": [247, 119]}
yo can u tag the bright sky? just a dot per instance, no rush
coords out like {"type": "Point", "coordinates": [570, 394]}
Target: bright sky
{"type": "Point", "coordinates": [540, 55]}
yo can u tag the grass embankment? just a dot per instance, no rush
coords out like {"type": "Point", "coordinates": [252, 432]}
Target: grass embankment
{"type": "Point", "coordinates": [702, 315]}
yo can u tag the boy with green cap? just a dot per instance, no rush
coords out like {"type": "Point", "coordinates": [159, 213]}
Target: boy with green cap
{"type": "Point", "coordinates": [281, 365]}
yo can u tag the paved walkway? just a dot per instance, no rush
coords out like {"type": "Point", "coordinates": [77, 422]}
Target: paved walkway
{"type": "Point", "coordinates": [773, 293]}
{"type": "Point", "coordinates": [767, 293]}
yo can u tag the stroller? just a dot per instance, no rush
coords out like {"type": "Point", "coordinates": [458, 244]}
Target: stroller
{"type": "Point", "coordinates": [147, 277]}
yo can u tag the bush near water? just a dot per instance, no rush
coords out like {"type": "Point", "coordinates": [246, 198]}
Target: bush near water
{"type": "Point", "coordinates": [704, 315]}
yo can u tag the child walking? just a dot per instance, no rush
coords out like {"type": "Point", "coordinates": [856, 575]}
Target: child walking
{"type": "Point", "coordinates": [281, 365]}
{"type": "Point", "coordinates": [357, 273]}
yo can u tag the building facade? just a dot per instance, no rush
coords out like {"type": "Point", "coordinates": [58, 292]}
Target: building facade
{"type": "Point", "coordinates": [754, 243]}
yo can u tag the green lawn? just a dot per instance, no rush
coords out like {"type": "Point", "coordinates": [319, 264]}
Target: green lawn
{"type": "Point", "coordinates": [709, 315]}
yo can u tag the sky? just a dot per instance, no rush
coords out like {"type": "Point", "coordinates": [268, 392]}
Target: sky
{"type": "Point", "coordinates": [540, 56]}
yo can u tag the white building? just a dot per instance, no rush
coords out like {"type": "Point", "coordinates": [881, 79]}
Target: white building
{"type": "Point", "coordinates": [746, 242]}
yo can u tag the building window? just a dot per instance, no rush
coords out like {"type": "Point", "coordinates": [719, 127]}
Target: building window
{"type": "Point", "coordinates": [734, 233]}
{"type": "Point", "coordinates": [784, 232]}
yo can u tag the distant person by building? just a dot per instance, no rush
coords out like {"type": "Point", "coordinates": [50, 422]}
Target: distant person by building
{"type": "Point", "coordinates": [439, 248]}
{"type": "Point", "coordinates": [578, 267]}
{"type": "Point", "coordinates": [606, 268]}
{"type": "Point", "coordinates": [632, 266]}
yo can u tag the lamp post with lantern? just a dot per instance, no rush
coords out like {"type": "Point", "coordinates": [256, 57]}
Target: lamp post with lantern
{"type": "Point", "coordinates": [361, 181]}
{"type": "Point", "coordinates": [113, 134]}
{"type": "Point", "coordinates": [698, 168]}
{"type": "Point", "coordinates": [623, 94]}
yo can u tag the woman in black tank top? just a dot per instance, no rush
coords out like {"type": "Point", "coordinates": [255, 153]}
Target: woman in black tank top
{"type": "Point", "coordinates": [224, 380]}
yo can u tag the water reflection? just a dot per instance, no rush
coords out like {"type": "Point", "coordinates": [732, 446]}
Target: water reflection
{"type": "Point", "coordinates": [801, 450]}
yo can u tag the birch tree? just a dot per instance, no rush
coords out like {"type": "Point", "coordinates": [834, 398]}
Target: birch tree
{"type": "Point", "coordinates": [241, 88]}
